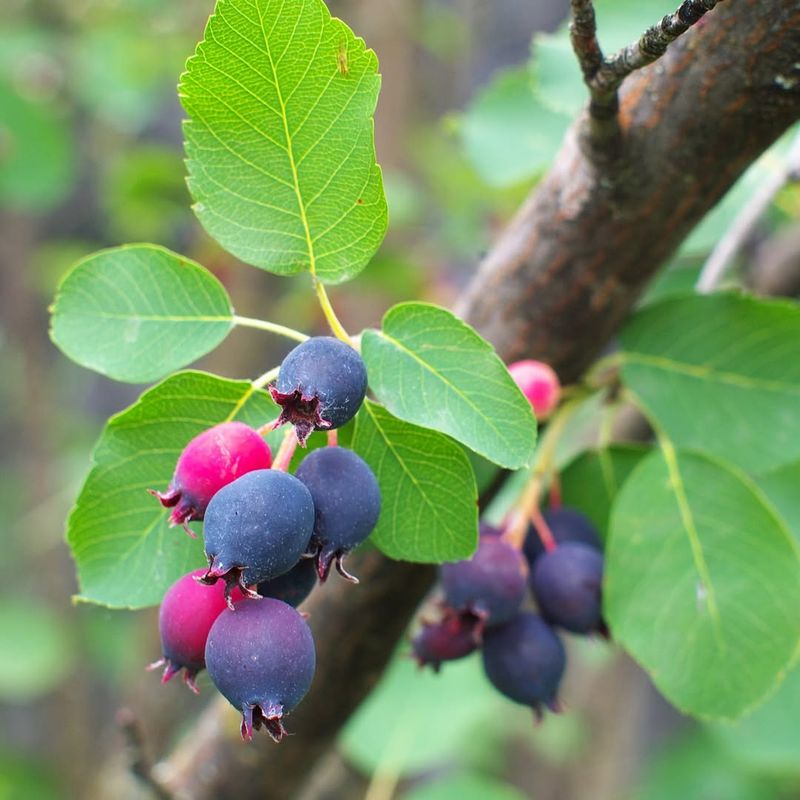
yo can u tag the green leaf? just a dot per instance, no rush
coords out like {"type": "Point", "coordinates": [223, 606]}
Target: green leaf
{"type": "Point", "coordinates": [702, 583]}
{"type": "Point", "coordinates": [430, 368]}
{"type": "Point", "coordinates": [591, 482]}
{"type": "Point", "coordinates": [781, 487]}
{"type": "Point", "coordinates": [721, 374]}
{"type": "Point", "coordinates": [465, 786]}
{"type": "Point", "coordinates": [125, 552]}
{"type": "Point", "coordinates": [138, 312]}
{"type": "Point", "coordinates": [279, 143]}
{"type": "Point", "coordinates": [429, 500]}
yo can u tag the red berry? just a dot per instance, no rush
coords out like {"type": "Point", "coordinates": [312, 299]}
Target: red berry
{"type": "Point", "coordinates": [210, 461]}
{"type": "Point", "coordinates": [539, 384]}
{"type": "Point", "coordinates": [455, 636]}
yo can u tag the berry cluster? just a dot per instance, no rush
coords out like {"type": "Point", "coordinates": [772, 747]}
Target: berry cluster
{"type": "Point", "coordinates": [269, 538]}
{"type": "Point", "coordinates": [483, 606]}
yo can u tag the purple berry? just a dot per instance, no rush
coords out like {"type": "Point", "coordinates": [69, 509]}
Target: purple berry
{"type": "Point", "coordinates": [453, 637]}
{"type": "Point", "coordinates": [320, 386]}
{"type": "Point", "coordinates": [485, 529]}
{"type": "Point", "coordinates": [566, 525]}
{"type": "Point", "coordinates": [491, 585]}
{"type": "Point", "coordinates": [211, 460]}
{"type": "Point", "coordinates": [294, 586]}
{"type": "Point", "coordinates": [567, 584]}
{"type": "Point", "coordinates": [261, 657]}
{"type": "Point", "coordinates": [347, 503]}
{"type": "Point", "coordinates": [187, 613]}
{"type": "Point", "coordinates": [525, 661]}
{"type": "Point", "coordinates": [257, 528]}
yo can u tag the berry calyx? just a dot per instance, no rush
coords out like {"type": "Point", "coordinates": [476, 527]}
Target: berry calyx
{"type": "Point", "coordinates": [539, 383]}
{"type": "Point", "coordinates": [256, 528]}
{"type": "Point", "coordinates": [455, 636]}
{"type": "Point", "coordinates": [262, 659]}
{"type": "Point", "coordinates": [294, 586]}
{"type": "Point", "coordinates": [321, 385]}
{"type": "Point", "coordinates": [185, 617]}
{"type": "Point", "coordinates": [211, 460]}
{"type": "Point", "coordinates": [347, 504]}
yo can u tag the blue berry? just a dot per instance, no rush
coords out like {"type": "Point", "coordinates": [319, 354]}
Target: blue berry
{"type": "Point", "coordinates": [262, 659]}
{"type": "Point", "coordinates": [566, 525]}
{"type": "Point", "coordinates": [294, 586]}
{"type": "Point", "coordinates": [525, 661]}
{"type": "Point", "coordinates": [320, 386]}
{"type": "Point", "coordinates": [347, 503]}
{"type": "Point", "coordinates": [567, 584]}
{"type": "Point", "coordinates": [257, 528]}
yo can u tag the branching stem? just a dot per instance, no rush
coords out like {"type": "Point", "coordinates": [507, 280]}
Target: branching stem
{"type": "Point", "coordinates": [272, 327]}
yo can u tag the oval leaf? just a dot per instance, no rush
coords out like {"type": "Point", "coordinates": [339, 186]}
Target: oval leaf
{"type": "Point", "coordinates": [429, 500]}
{"type": "Point", "coordinates": [138, 312]}
{"type": "Point", "coordinates": [279, 143]}
{"type": "Point", "coordinates": [430, 368]}
{"type": "Point", "coordinates": [702, 583]}
{"type": "Point", "coordinates": [714, 371]}
{"type": "Point", "coordinates": [125, 552]}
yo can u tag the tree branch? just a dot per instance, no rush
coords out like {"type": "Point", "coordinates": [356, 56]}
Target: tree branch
{"type": "Point", "coordinates": [583, 35]}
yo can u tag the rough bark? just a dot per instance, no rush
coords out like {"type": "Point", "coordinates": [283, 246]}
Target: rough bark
{"type": "Point", "coordinates": [557, 286]}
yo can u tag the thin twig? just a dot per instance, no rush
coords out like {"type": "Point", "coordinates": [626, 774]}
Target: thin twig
{"type": "Point", "coordinates": [140, 764]}
{"type": "Point", "coordinates": [741, 229]}
{"type": "Point", "coordinates": [583, 35]}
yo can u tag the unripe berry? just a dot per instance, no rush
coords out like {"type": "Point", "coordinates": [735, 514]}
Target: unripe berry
{"type": "Point", "coordinates": [567, 584]}
{"type": "Point", "coordinates": [320, 386]}
{"type": "Point", "coordinates": [293, 586]}
{"type": "Point", "coordinates": [261, 657]}
{"type": "Point", "coordinates": [455, 636]}
{"type": "Point", "coordinates": [257, 528]}
{"type": "Point", "coordinates": [491, 585]}
{"type": "Point", "coordinates": [525, 661]}
{"type": "Point", "coordinates": [566, 525]}
{"type": "Point", "coordinates": [347, 503]}
{"type": "Point", "coordinates": [211, 460]}
{"type": "Point", "coordinates": [539, 383]}
{"type": "Point", "coordinates": [187, 613]}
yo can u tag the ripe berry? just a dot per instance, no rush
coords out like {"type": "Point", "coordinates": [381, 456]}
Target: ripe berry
{"type": "Point", "coordinates": [210, 461]}
{"type": "Point", "coordinates": [320, 386]}
{"type": "Point", "coordinates": [567, 583]}
{"type": "Point", "coordinates": [261, 657]}
{"type": "Point", "coordinates": [257, 528]}
{"type": "Point", "coordinates": [453, 637]}
{"type": "Point", "coordinates": [187, 613]}
{"type": "Point", "coordinates": [293, 586]}
{"type": "Point", "coordinates": [347, 503]}
{"type": "Point", "coordinates": [485, 529]}
{"type": "Point", "coordinates": [566, 525]}
{"type": "Point", "coordinates": [525, 661]}
{"type": "Point", "coordinates": [491, 584]}
{"type": "Point", "coordinates": [539, 383]}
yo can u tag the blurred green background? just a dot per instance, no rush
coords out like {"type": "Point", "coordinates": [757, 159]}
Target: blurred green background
{"type": "Point", "coordinates": [91, 156]}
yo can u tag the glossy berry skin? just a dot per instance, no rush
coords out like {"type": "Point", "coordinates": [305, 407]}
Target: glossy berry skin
{"type": "Point", "coordinates": [320, 386]}
{"type": "Point", "coordinates": [491, 585]}
{"type": "Point", "coordinates": [525, 660]}
{"type": "Point", "coordinates": [210, 461]}
{"type": "Point", "coordinates": [566, 525]}
{"type": "Point", "coordinates": [539, 383]}
{"type": "Point", "coordinates": [261, 657]}
{"type": "Point", "coordinates": [347, 503]}
{"type": "Point", "coordinates": [567, 585]}
{"type": "Point", "coordinates": [294, 586]}
{"type": "Point", "coordinates": [453, 637]}
{"type": "Point", "coordinates": [187, 613]}
{"type": "Point", "coordinates": [257, 528]}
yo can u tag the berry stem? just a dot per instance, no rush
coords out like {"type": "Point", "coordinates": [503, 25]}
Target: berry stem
{"type": "Point", "coordinates": [333, 438]}
{"type": "Point", "coordinates": [543, 530]}
{"type": "Point", "coordinates": [285, 452]}
{"type": "Point", "coordinates": [330, 314]}
{"type": "Point", "coordinates": [267, 377]}
{"type": "Point", "coordinates": [268, 427]}
{"type": "Point", "coordinates": [272, 327]}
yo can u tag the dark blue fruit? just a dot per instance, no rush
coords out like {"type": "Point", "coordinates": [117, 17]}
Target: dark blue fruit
{"type": "Point", "coordinates": [261, 657]}
{"type": "Point", "coordinates": [293, 586]}
{"type": "Point", "coordinates": [491, 585]}
{"type": "Point", "coordinates": [566, 525]}
{"type": "Point", "coordinates": [320, 386]}
{"type": "Point", "coordinates": [567, 584]}
{"type": "Point", "coordinates": [525, 661]}
{"type": "Point", "coordinates": [453, 637]}
{"type": "Point", "coordinates": [256, 528]}
{"type": "Point", "coordinates": [347, 503]}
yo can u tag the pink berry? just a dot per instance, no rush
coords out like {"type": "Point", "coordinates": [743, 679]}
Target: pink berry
{"type": "Point", "coordinates": [539, 384]}
{"type": "Point", "coordinates": [187, 612]}
{"type": "Point", "coordinates": [212, 459]}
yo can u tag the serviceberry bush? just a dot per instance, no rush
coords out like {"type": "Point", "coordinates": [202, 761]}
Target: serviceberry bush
{"type": "Point", "coordinates": [679, 550]}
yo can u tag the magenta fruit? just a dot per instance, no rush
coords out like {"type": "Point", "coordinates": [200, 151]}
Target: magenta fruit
{"type": "Point", "coordinates": [294, 586]}
{"type": "Point", "coordinates": [210, 461]}
{"type": "Point", "coordinates": [540, 385]}
{"type": "Point", "coordinates": [455, 636]}
{"type": "Point", "coordinates": [261, 657]}
{"type": "Point", "coordinates": [566, 525]}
